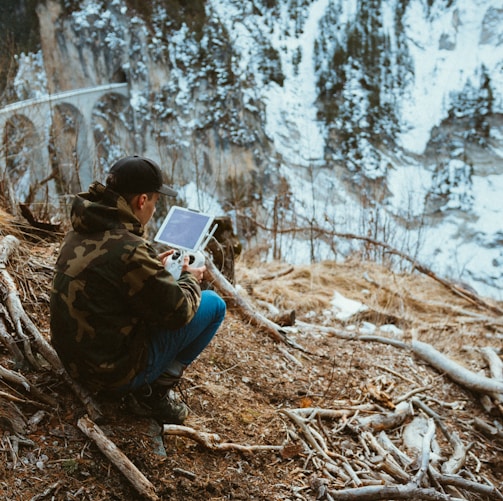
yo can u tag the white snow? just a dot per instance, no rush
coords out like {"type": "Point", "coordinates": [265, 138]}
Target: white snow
{"type": "Point", "coordinates": [438, 71]}
{"type": "Point", "coordinates": [344, 308]}
{"type": "Point", "coordinates": [448, 48]}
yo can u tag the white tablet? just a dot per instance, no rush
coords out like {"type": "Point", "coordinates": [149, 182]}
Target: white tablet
{"type": "Point", "coordinates": [184, 229]}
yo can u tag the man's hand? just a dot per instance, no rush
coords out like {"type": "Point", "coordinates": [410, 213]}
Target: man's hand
{"type": "Point", "coordinates": [197, 272]}
{"type": "Point", "coordinates": [162, 257]}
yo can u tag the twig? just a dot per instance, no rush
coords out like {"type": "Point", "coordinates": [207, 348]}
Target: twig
{"type": "Point", "coordinates": [495, 368]}
{"type": "Point", "coordinates": [380, 422]}
{"type": "Point", "coordinates": [397, 374]}
{"type": "Point", "coordinates": [425, 452]}
{"type": "Point", "coordinates": [308, 434]}
{"type": "Point", "coordinates": [487, 429]}
{"type": "Point", "coordinates": [14, 377]}
{"type": "Point", "coordinates": [8, 340]}
{"type": "Point", "coordinates": [212, 440]}
{"type": "Point", "coordinates": [456, 372]}
{"type": "Point", "coordinates": [386, 442]}
{"type": "Point", "coordinates": [388, 492]}
{"type": "Point", "coordinates": [282, 273]}
{"type": "Point", "coordinates": [411, 393]}
{"type": "Point", "coordinates": [312, 412]}
{"type": "Point", "coordinates": [457, 481]}
{"type": "Point", "coordinates": [351, 473]}
{"type": "Point", "coordinates": [41, 495]}
{"type": "Point", "coordinates": [430, 412]}
{"type": "Point", "coordinates": [328, 330]}
{"type": "Point", "coordinates": [388, 463]}
{"type": "Point", "coordinates": [232, 298]}
{"type": "Point", "coordinates": [385, 340]}
{"type": "Point", "coordinates": [458, 458]}
{"type": "Point", "coordinates": [187, 474]}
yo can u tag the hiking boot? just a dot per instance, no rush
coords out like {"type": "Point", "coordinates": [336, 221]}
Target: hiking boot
{"type": "Point", "coordinates": [156, 402]}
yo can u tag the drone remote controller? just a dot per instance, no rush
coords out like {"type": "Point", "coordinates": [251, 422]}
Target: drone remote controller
{"type": "Point", "coordinates": [188, 232]}
{"type": "Point", "coordinates": [174, 262]}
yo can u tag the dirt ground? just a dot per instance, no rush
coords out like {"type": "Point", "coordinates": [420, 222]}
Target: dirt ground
{"type": "Point", "coordinates": [244, 382]}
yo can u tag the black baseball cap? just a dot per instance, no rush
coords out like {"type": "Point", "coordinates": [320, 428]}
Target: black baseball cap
{"type": "Point", "coordinates": [137, 174]}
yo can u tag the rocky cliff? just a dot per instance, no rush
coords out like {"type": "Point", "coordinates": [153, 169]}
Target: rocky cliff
{"type": "Point", "coordinates": [378, 118]}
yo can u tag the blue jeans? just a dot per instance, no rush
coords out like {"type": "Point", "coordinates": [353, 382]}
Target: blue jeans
{"type": "Point", "coordinates": [185, 344]}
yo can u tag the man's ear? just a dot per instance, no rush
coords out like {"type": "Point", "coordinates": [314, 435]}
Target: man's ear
{"type": "Point", "coordinates": [139, 201]}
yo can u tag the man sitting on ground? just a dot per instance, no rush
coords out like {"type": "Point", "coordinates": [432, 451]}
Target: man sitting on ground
{"type": "Point", "coordinates": [120, 322]}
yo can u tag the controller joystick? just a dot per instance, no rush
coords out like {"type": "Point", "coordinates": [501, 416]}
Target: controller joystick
{"type": "Point", "coordinates": [174, 262]}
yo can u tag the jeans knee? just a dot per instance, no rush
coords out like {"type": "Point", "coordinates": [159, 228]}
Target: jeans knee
{"type": "Point", "coordinates": [222, 308]}
{"type": "Point", "coordinates": [217, 302]}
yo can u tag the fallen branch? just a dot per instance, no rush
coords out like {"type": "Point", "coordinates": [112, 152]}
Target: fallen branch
{"type": "Point", "coordinates": [462, 483]}
{"type": "Point", "coordinates": [118, 458]}
{"type": "Point", "coordinates": [233, 300]}
{"type": "Point", "coordinates": [274, 276]}
{"type": "Point", "coordinates": [19, 379]}
{"type": "Point", "coordinates": [341, 333]}
{"type": "Point", "coordinates": [14, 377]}
{"type": "Point", "coordinates": [425, 452]}
{"type": "Point", "coordinates": [456, 289]}
{"type": "Point", "coordinates": [11, 299]}
{"type": "Point", "coordinates": [458, 457]}
{"type": "Point", "coordinates": [313, 438]}
{"type": "Point", "coordinates": [430, 412]}
{"type": "Point", "coordinates": [8, 340]}
{"type": "Point", "coordinates": [494, 361]}
{"type": "Point", "coordinates": [11, 416]}
{"type": "Point", "coordinates": [496, 371]}
{"type": "Point", "coordinates": [378, 422]}
{"type": "Point", "coordinates": [212, 440]}
{"type": "Point", "coordinates": [488, 429]}
{"type": "Point", "coordinates": [317, 412]}
{"type": "Point", "coordinates": [456, 372]}
{"type": "Point", "coordinates": [19, 317]}
{"type": "Point", "coordinates": [42, 495]}
{"type": "Point", "coordinates": [387, 492]}
{"type": "Point", "coordinates": [39, 225]}
{"type": "Point", "coordinates": [399, 455]}
{"type": "Point", "coordinates": [388, 463]}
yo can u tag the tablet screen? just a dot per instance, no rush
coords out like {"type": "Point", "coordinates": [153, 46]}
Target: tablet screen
{"type": "Point", "coordinates": [184, 228]}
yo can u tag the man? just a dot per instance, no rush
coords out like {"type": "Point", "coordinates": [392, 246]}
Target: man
{"type": "Point", "coordinates": [120, 322]}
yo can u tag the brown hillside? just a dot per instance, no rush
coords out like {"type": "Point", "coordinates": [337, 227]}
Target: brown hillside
{"type": "Point", "coordinates": [253, 391]}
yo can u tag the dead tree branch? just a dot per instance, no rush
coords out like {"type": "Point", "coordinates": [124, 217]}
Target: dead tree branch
{"type": "Point", "coordinates": [20, 318]}
{"type": "Point", "coordinates": [456, 372]}
{"type": "Point", "coordinates": [388, 492]}
{"type": "Point", "coordinates": [245, 310]}
{"type": "Point", "coordinates": [456, 289]}
{"type": "Point", "coordinates": [118, 458]}
{"type": "Point", "coordinates": [212, 440]}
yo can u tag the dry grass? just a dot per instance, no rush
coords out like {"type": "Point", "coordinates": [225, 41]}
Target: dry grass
{"type": "Point", "coordinates": [241, 382]}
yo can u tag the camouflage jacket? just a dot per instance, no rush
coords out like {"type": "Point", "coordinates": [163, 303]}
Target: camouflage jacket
{"type": "Point", "coordinates": [109, 287]}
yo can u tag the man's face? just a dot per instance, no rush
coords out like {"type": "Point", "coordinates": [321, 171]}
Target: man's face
{"type": "Point", "coordinates": [145, 207]}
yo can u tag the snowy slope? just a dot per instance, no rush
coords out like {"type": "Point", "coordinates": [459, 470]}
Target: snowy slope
{"type": "Point", "coordinates": [448, 46]}
{"type": "Point", "coordinates": [384, 117]}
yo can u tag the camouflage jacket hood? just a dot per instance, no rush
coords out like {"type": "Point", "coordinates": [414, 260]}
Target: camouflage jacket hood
{"type": "Point", "coordinates": [110, 290]}
{"type": "Point", "coordinates": [101, 209]}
